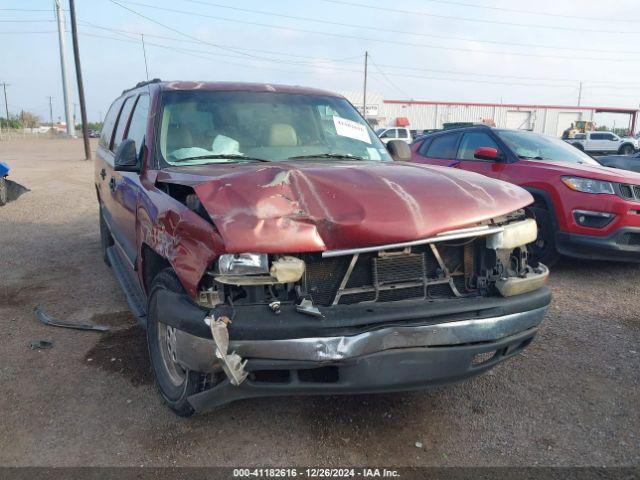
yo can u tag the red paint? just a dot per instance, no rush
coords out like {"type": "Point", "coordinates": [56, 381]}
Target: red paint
{"type": "Point", "coordinates": [486, 153]}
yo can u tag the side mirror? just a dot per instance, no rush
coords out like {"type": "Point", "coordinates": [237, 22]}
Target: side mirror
{"type": "Point", "coordinates": [399, 150]}
{"type": "Point", "coordinates": [126, 159]}
{"type": "Point", "coordinates": [487, 153]}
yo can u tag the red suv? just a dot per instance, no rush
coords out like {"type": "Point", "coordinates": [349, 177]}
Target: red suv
{"type": "Point", "coordinates": [582, 208]}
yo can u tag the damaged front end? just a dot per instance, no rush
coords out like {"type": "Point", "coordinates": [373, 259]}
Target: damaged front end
{"type": "Point", "coordinates": [303, 311]}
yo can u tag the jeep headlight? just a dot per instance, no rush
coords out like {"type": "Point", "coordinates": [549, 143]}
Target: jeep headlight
{"type": "Point", "coordinates": [243, 264]}
{"type": "Point", "coordinates": [588, 185]}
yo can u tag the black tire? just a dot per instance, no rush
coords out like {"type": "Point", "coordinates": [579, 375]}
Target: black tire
{"type": "Point", "coordinates": [4, 194]}
{"type": "Point", "coordinates": [626, 149]}
{"type": "Point", "coordinates": [174, 383]}
{"type": "Point", "coordinates": [543, 250]}
{"type": "Point", "coordinates": [106, 240]}
{"type": "Point", "coordinates": [579, 146]}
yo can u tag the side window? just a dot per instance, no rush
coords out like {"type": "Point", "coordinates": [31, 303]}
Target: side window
{"type": "Point", "coordinates": [138, 125]}
{"type": "Point", "coordinates": [389, 134]}
{"type": "Point", "coordinates": [107, 125]}
{"type": "Point", "coordinates": [402, 133]}
{"type": "Point", "coordinates": [443, 146]}
{"type": "Point", "coordinates": [598, 136]}
{"type": "Point", "coordinates": [471, 142]}
{"type": "Point", "coordinates": [123, 119]}
{"type": "Point", "coordinates": [610, 136]}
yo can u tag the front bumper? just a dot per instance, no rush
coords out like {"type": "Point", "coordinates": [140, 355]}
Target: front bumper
{"type": "Point", "coordinates": [423, 346]}
{"type": "Point", "coordinates": [623, 245]}
{"type": "Point", "coordinates": [393, 370]}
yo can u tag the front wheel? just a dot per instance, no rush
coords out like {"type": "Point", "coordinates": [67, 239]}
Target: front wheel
{"type": "Point", "coordinates": [627, 149]}
{"type": "Point", "coordinates": [543, 250]}
{"type": "Point", "coordinates": [173, 382]}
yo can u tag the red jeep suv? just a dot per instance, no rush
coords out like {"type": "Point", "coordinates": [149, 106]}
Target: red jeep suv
{"type": "Point", "coordinates": [582, 208]}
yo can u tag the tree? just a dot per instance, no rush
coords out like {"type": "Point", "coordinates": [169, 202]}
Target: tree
{"type": "Point", "coordinates": [29, 120]}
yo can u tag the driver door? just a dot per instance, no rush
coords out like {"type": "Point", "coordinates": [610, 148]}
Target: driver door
{"type": "Point", "coordinates": [469, 143]}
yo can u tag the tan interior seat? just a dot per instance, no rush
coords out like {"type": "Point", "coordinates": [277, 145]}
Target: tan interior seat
{"type": "Point", "coordinates": [282, 135]}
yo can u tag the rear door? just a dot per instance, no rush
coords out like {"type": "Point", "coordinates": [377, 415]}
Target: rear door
{"type": "Point", "coordinates": [125, 186]}
{"type": "Point", "coordinates": [596, 142]}
{"type": "Point", "coordinates": [104, 163]}
{"type": "Point", "coordinates": [439, 150]}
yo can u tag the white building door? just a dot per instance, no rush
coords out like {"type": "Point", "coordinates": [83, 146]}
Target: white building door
{"type": "Point", "coordinates": [518, 119]}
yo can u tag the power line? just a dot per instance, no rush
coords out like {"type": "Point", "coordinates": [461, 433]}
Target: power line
{"type": "Point", "coordinates": [171, 28]}
{"type": "Point", "coordinates": [478, 20]}
{"type": "Point", "coordinates": [349, 60]}
{"type": "Point", "coordinates": [384, 75]}
{"type": "Point", "coordinates": [447, 79]}
{"type": "Point", "coordinates": [378, 40]}
{"type": "Point", "coordinates": [531, 12]}
{"type": "Point", "coordinates": [405, 32]}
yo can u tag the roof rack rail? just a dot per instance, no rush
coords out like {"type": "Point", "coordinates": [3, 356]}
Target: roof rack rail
{"type": "Point", "coordinates": [141, 84]}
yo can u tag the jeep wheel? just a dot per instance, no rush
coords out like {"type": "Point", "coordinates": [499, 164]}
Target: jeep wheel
{"type": "Point", "coordinates": [626, 149]}
{"type": "Point", "coordinates": [543, 250]}
{"type": "Point", "coordinates": [3, 191]}
{"type": "Point", "coordinates": [106, 240]}
{"type": "Point", "coordinates": [174, 383]}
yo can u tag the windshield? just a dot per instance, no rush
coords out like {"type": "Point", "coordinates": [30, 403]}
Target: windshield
{"type": "Point", "coordinates": [540, 147]}
{"type": "Point", "coordinates": [200, 127]}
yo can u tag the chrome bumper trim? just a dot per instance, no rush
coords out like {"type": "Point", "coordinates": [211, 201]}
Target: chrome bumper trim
{"type": "Point", "coordinates": [195, 351]}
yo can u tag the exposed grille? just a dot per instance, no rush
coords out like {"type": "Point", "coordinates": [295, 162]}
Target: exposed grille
{"type": "Point", "coordinates": [636, 192]}
{"type": "Point", "coordinates": [386, 276]}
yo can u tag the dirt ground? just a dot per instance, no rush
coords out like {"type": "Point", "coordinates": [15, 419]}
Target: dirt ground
{"type": "Point", "coordinates": [571, 399]}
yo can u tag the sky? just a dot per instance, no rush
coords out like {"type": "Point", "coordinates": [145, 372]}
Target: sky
{"type": "Point", "coordinates": [511, 51]}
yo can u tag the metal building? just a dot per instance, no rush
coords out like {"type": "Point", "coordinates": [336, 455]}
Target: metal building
{"type": "Point", "coordinates": [547, 119]}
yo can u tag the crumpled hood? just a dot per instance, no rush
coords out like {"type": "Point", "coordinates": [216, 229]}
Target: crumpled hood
{"type": "Point", "coordinates": [314, 206]}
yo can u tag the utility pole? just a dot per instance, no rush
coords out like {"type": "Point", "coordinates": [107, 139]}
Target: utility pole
{"type": "Point", "coordinates": [6, 104]}
{"type": "Point", "coordinates": [144, 52]}
{"type": "Point", "coordinates": [364, 92]}
{"type": "Point", "coordinates": [76, 57]}
{"type": "Point", "coordinates": [71, 131]}
{"type": "Point", "coordinates": [580, 94]}
{"type": "Point", "coordinates": [51, 113]}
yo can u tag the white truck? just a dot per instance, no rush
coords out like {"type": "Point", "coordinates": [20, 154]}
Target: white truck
{"type": "Point", "coordinates": [603, 142]}
{"type": "Point", "coordinates": [394, 133]}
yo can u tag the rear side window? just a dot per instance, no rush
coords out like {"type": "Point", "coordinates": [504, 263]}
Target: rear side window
{"type": "Point", "coordinates": [471, 142]}
{"type": "Point", "coordinates": [598, 136]}
{"type": "Point", "coordinates": [138, 125]}
{"type": "Point", "coordinates": [443, 146]}
{"type": "Point", "coordinates": [123, 119]}
{"type": "Point", "coordinates": [108, 124]}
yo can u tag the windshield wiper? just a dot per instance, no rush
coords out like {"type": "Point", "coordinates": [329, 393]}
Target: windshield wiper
{"type": "Point", "coordinates": [222, 157]}
{"type": "Point", "coordinates": [328, 155]}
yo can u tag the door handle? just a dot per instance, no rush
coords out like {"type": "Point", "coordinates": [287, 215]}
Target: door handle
{"type": "Point", "coordinates": [103, 173]}
{"type": "Point", "coordinates": [112, 184]}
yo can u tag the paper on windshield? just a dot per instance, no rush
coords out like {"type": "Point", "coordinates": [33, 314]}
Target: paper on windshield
{"type": "Point", "coordinates": [350, 129]}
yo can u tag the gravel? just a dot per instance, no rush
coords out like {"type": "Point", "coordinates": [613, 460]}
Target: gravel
{"type": "Point", "coordinates": [571, 399]}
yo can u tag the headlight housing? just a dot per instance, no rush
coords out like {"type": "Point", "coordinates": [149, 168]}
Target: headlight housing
{"type": "Point", "coordinates": [243, 264]}
{"type": "Point", "coordinates": [588, 185]}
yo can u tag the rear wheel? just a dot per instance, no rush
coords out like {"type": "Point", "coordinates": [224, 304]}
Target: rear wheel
{"type": "Point", "coordinates": [173, 382]}
{"type": "Point", "coordinates": [543, 250]}
{"type": "Point", "coordinates": [579, 146]}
